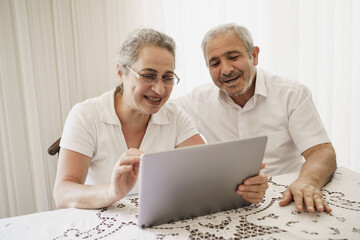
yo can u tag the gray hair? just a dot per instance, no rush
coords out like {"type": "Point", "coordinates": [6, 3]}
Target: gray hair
{"type": "Point", "coordinates": [137, 40]}
{"type": "Point", "coordinates": [241, 31]}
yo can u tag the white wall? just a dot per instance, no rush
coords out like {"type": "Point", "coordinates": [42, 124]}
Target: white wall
{"type": "Point", "coordinates": [55, 53]}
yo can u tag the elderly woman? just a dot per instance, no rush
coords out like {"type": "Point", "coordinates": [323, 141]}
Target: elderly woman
{"type": "Point", "coordinates": [104, 137]}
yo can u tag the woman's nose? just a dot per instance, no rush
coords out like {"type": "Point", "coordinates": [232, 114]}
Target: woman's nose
{"type": "Point", "coordinates": [158, 87]}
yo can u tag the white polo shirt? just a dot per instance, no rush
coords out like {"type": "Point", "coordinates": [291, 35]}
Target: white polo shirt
{"type": "Point", "coordinates": [281, 109]}
{"type": "Point", "coordinates": [93, 129]}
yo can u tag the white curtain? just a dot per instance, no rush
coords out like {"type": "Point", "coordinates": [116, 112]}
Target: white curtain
{"type": "Point", "coordinates": [55, 53]}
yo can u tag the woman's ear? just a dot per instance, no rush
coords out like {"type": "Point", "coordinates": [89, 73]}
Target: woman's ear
{"type": "Point", "coordinates": [118, 70]}
{"type": "Point", "coordinates": [119, 73]}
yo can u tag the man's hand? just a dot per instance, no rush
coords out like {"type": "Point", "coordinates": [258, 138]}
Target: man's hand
{"type": "Point", "coordinates": [303, 192]}
{"type": "Point", "coordinates": [320, 164]}
{"type": "Point", "coordinates": [254, 188]}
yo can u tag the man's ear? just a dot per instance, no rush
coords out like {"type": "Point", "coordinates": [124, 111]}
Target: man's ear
{"type": "Point", "coordinates": [255, 55]}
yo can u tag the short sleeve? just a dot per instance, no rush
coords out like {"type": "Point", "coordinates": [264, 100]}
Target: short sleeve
{"type": "Point", "coordinates": [305, 125]}
{"type": "Point", "coordinates": [79, 132]}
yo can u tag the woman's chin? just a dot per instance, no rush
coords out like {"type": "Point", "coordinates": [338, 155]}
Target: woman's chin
{"type": "Point", "coordinates": [152, 109]}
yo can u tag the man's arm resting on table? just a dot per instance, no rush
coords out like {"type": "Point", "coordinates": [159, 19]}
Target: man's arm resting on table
{"type": "Point", "coordinates": [320, 164]}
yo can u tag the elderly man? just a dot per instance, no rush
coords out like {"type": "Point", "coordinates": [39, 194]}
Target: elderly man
{"type": "Point", "coordinates": [247, 101]}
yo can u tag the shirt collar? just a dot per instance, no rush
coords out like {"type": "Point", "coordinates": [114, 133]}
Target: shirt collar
{"type": "Point", "coordinates": [107, 107]}
{"type": "Point", "coordinates": [159, 118]}
{"type": "Point", "coordinates": [108, 113]}
{"type": "Point", "coordinates": [260, 88]}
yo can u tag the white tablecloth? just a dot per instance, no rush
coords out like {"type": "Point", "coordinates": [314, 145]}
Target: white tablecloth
{"type": "Point", "coordinates": [261, 221]}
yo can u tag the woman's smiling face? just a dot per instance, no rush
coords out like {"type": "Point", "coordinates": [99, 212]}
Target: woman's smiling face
{"type": "Point", "coordinates": [144, 97]}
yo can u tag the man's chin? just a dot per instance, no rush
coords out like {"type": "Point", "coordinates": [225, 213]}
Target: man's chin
{"type": "Point", "coordinates": [234, 92]}
{"type": "Point", "coordinates": [239, 90]}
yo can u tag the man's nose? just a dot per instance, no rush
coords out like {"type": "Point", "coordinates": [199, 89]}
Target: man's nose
{"type": "Point", "coordinates": [227, 68]}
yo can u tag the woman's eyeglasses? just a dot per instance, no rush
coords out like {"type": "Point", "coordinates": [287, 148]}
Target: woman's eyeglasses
{"type": "Point", "coordinates": [169, 79]}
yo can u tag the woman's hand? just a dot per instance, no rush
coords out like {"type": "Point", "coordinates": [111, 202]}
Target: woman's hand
{"type": "Point", "coordinates": [70, 190]}
{"type": "Point", "coordinates": [125, 173]}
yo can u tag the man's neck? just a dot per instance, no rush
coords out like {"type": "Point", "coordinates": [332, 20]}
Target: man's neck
{"type": "Point", "coordinates": [242, 99]}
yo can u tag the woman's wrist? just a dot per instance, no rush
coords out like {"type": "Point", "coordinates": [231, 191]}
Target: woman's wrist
{"type": "Point", "coordinates": [113, 195]}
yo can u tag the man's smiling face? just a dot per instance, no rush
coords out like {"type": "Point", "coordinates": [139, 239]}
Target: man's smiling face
{"type": "Point", "coordinates": [231, 68]}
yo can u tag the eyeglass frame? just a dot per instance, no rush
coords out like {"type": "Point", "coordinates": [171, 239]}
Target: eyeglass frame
{"type": "Point", "coordinates": [138, 76]}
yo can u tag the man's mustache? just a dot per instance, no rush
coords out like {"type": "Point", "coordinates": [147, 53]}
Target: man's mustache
{"type": "Point", "coordinates": [231, 75]}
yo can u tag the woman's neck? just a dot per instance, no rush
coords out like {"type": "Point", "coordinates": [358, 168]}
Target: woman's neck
{"type": "Point", "coordinates": [133, 123]}
{"type": "Point", "coordinates": [127, 115]}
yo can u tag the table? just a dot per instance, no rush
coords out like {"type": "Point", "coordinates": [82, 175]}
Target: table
{"type": "Point", "coordinates": [258, 221]}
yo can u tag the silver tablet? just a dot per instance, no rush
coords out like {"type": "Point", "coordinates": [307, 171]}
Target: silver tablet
{"type": "Point", "coordinates": [197, 180]}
